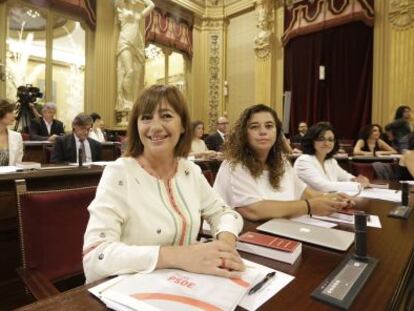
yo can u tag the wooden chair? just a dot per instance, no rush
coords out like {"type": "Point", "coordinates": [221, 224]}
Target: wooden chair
{"type": "Point", "coordinates": [51, 228]}
{"type": "Point", "coordinates": [208, 174]}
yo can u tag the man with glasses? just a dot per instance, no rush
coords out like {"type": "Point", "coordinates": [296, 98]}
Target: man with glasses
{"type": "Point", "coordinates": [66, 148]}
{"type": "Point", "coordinates": [215, 141]}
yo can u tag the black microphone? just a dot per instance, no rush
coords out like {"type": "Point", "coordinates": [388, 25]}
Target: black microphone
{"type": "Point", "coordinates": [404, 194]}
{"type": "Point", "coordinates": [80, 157]}
{"type": "Point", "coordinates": [360, 235]}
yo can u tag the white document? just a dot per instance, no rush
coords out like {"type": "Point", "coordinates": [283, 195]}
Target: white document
{"type": "Point", "coordinates": [380, 194]}
{"type": "Point", "coordinates": [271, 288]}
{"type": "Point", "coordinates": [372, 220]}
{"type": "Point", "coordinates": [306, 219]}
{"type": "Point", "coordinates": [8, 169]}
{"type": "Point", "coordinates": [101, 163]}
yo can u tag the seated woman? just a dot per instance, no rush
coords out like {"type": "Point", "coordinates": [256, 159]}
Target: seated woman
{"type": "Point", "coordinates": [406, 165]}
{"type": "Point", "coordinates": [198, 146]}
{"type": "Point", "coordinates": [11, 142]}
{"type": "Point", "coordinates": [148, 206]}
{"type": "Point", "coordinates": [257, 178]}
{"type": "Point", "coordinates": [371, 144]}
{"type": "Point", "coordinates": [317, 167]}
{"type": "Point", "coordinates": [96, 130]}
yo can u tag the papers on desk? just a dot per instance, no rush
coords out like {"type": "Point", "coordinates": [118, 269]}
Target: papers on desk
{"type": "Point", "coordinates": [102, 163]}
{"type": "Point", "coordinates": [8, 169]}
{"type": "Point", "coordinates": [274, 285]}
{"type": "Point", "coordinates": [372, 220]}
{"type": "Point", "coordinates": [380, 194]}
{"type": "Point", "coordinates": [171, 289]}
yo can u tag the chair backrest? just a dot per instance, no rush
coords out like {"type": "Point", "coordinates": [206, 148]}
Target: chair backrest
{"type": "Point", "coordinates": [385, 170]}
{"type": "Point", "coordinates": [365, 169]}
{"type": "Point", "coordinates": [52, 225]}
{"type": "Point", "coordinates": [25, 136]}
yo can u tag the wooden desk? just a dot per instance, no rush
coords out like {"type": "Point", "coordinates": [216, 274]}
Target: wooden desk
{"type": "Point", "coordinates": [393, 245]}
{"type": "Point", "coordinates": [36, 180]}
{"type": "Point", "coordinates": [33, 151]}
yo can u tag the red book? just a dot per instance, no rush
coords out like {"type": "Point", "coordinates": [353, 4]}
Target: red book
{"type": "Point", "coordinates": [277, 248]}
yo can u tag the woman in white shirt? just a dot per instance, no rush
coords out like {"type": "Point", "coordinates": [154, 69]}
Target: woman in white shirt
{"type": "Point", "coordinates": [371, 144]}
{"type": "Point", "coordinates": [96, 131]}
{"type": "Point", "coordinates": [11, 142]}
{"type": "Point", "coordinates": [148, 207]}
{"type": "Point", "coordinates": [198, 146]}
{"type": "Point", "coordinates": [317, 167]}
{"type": "Point", "coordinates": [257, 178]}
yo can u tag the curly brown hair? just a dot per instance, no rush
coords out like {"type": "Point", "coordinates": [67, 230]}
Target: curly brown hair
{"type": "Point", "coordinates": [237, 149]}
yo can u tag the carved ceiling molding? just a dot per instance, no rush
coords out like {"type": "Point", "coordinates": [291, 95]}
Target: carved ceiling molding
{"type": "Point", "coordinates": [401, 14]}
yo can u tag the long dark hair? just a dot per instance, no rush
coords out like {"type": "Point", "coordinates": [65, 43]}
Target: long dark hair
{"type": "Point", "coordinates": [313, 133]}
{"type": "Point", "coordinates": [237, 149]}
{"type": "Point", "coordinates": [400, 112]}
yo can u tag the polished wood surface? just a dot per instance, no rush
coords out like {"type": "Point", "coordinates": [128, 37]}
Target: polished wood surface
{"type": "Point", "coordinates": [393, 246]}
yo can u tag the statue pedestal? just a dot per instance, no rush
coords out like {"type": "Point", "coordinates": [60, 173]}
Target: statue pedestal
{"type": "Point", "coordinates": [122, 117]}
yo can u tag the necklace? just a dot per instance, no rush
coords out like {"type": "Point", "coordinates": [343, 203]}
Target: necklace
{"type": "Point", "coordinates": [146, 166]}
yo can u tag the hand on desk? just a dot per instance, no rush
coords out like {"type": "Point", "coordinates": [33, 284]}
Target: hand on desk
{"type": "Point", "coordinates": [216, 258]}
{"type": "Point", "coordinates": [326, 205]}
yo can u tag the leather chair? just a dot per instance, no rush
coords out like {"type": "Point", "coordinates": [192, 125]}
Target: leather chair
{"type": "Point", "coordinates": [51, 228]}
{"type": "Point", "coordinates": [365, 169]}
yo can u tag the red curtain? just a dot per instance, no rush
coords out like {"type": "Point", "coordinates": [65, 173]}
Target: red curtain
{"type": "Point", "coordinates": [344, 97]}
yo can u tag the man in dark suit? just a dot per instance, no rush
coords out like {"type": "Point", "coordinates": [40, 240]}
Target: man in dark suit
{"type": "Point", "coordinates": [302, 130]}
{"type": "Point", "coordinates": [216, 140]}
{"type": "Point", "coordinates": [66, 148]}
{"type": "Point", "coordinates": [46, 127]}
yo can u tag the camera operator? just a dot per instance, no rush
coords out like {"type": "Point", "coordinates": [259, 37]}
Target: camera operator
{"type": "Point", "coordinates": [46, 127]}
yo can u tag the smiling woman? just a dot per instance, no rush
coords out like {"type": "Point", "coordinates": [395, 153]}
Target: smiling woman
{"type": "Point", "coordinates": [148, 207]}
{"type": "Point", "coordinates": [257, 177]}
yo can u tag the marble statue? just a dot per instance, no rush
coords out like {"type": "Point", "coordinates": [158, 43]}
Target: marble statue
{"type": "Point", "coordinates": [130, 53]}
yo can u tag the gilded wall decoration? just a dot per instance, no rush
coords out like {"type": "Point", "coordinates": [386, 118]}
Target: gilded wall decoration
{"type": "Point", "coordinates": [213, 80]}
{"type": "Point", "coordinates": [401, 13]}
{"type": "Point", "coordinates": [263, 40]}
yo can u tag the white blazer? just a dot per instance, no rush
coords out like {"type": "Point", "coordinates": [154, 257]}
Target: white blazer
{"type": "Point", "coordinates": [15, 147]}
{"type": "Point", "coordinates": [333, 178]}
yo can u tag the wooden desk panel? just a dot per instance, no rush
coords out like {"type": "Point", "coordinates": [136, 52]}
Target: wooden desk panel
{"type": "Point", "coordinates": [393, 245]}
{"type": "Point", "coordinates": [33, 151]}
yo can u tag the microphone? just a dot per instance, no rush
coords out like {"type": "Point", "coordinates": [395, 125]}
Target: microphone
{"type": "Point", "coordinates": [404, 194]}
{"type": "Point", "coordinates": [80, 157]}
{"type": "Point", "coordinates": [360, 235]}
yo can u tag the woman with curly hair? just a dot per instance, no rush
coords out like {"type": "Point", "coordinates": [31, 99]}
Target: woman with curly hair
{"type": "Point", "coordinates": [370, 142]}
{"type": "Point", "coordinates": [257, 178]}
{"type": "Point", "coordinates": [317, 166]}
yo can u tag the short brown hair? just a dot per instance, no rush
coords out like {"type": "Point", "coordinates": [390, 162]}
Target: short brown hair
{"type": "Point", "coordinates": [146, 103]}
{"type": "Point", "coordinates": [5, 107]}
{"type": "Point", "coordinates": [82, 119]}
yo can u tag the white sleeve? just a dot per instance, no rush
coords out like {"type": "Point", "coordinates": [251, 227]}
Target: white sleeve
{"type": "Point", "coordinates": [213, 209]}
{"type": "Point", "coordinates": [236, 186]}
{"type": "Point", "coordinates": [341, 173]}
{"type": "Point", "coordinates": [19, 155]}
{"type": "Point", "coordinates": [313, 177]}
{"type": "Point", "coordinates": [104, 254]}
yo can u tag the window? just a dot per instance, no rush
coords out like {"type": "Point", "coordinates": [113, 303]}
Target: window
{"type": "Point", "coordinates": [46, 50]}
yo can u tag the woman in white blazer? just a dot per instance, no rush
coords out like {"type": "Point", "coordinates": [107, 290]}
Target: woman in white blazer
{"type": "Point", "coordinates": [11, 142]}
{"type": "Point", "coordinates": [317, 167]}
{"type": "Point", "coordinates": [149, 204]}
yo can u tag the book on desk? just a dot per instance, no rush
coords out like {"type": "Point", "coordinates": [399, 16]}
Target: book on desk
{"type": "Point", "coordinates": [276, 248]}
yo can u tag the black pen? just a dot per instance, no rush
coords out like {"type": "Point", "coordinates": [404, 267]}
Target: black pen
{"type": "Point", "coordinates": [262, 282]}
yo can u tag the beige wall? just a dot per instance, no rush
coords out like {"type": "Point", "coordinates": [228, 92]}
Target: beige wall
{"type": "Point", "coordinates": [393, 65]}
{"type": "Point", "coordinates": [240, 64]}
